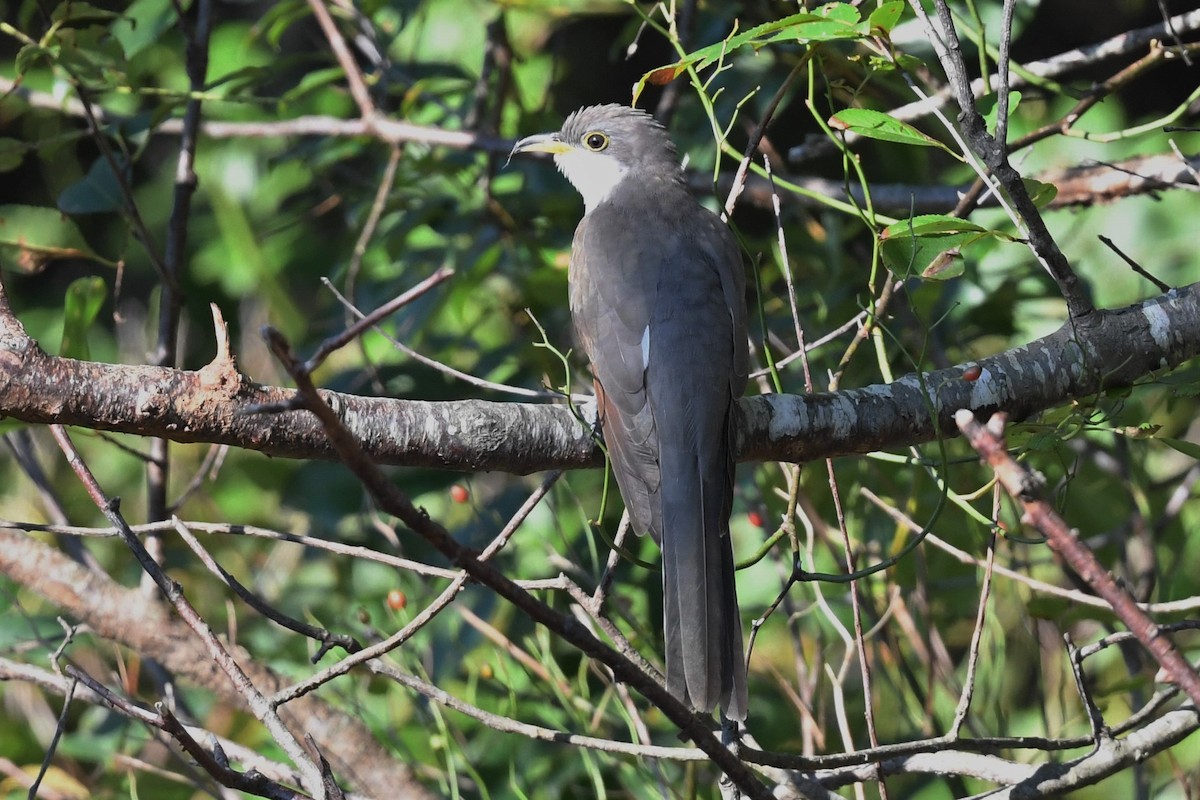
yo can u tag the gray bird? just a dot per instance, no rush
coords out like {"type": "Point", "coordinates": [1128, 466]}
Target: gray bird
{"type": "Point", "coordinates": [657, 294]}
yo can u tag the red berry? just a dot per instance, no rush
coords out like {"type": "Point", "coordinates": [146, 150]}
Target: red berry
{"type": "Point", "coordinates": [396, 600]}
{"type": "Point", "coordinates": [972, 372]}
{"type": "Point", "coordinates": [756, 519]}
{"type": "Point", "coordinates": [459, 493]}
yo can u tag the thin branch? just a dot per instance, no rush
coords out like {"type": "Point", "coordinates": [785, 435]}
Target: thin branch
{"type": "Point", "coordinates": [391, 499]}
{"type": "Point", "coordinates": [1123, 44]}
{"type": "Point", "coordinates": [1025, 487]}
{"type": "Point", "coordinates": [174, 594]}
{"type": "Point", "coordinates": [354, 76]}
{"type": "Point", "coordinates": [312, 682]}
{"type": "Point", "coordinates": [337, 341]}
{"type": "Point", "coordinates": [993, 153]}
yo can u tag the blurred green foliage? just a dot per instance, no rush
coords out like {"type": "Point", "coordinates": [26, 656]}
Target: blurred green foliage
{"type": "Point", "coordinates": [276, 214]}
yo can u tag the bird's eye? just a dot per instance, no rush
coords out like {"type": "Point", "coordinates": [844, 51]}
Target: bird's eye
{"type": "Point", "coordinates": [595, 141]}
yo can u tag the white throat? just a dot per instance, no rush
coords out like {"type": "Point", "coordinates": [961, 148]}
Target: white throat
{"type": "Point", "coordinates": [594, 175]}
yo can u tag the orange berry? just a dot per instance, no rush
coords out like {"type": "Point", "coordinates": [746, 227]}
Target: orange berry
{"type": "Point", "coordinates": [396, 600]}
{"type": "Point", "coordinates": [459, 493]}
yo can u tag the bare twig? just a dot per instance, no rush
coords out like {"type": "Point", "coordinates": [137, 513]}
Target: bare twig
{"type": "Point", "coordinates": [219, 654]}
{"type": "Point", "coordinates": [994, 155]}
{"type": "Point", "coordinates": [211, 761]}
{"type": "Point", "coordinates": [340, 340]}
{"type": "Point", "coordinates": [1021, 485]}
{"type": "Point", "coordinates": [354, 76]}
{"type": "Point", "coordinates": [465, 377]}
{"type": "Point", "coordinates": [395, 502]}
{"type": "Point", "coordinates": [1133, 265]}
{"type": "Point", "coordinates": [428, 613]}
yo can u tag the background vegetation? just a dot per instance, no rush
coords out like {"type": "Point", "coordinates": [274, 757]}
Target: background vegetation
{"type": "Point", "coordinates": [307, 200]}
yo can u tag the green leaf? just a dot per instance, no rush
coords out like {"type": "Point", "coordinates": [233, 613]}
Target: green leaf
{"type": "Point", "coordinates": [834, 21]}
{"type": "Point", "coordinates": [1190, 449]}
{"type": "Point", "coordinates": [1040, 193]}
{"type": "Point", "coordinates": [279, 18]}
{"type": "Point", "coordinates": [12, 153]}
{"type": "Point", "coordinates": [311, 82]}
{"type": "Point", "coordinates": [85, 298]}
{"type": "Point", "coordinates": [930, 224]}
{"type": "Point", "coordinates": [877, 125]}
{"type": "Point", "coordinates": [946, 264]}
{"type": "Point", "coordinates": [92, 56]}
{"type": "Point", "coordinates": [97, 192]}
{"type": "Point", "coordinates": [75, 14]}
{"type": "Point", "coordinates": [143, 24]}
{"type": "Point", "coordinates": [29, 56]}
{"type": "Point", "coordinates": [989, 107]}
{"type": "Point", "coordinates": [930, 246]}
{"type": "Point", "coordinates": [1044, 441]}
{"type": "Point", "coordinates": [31, 236]}
{"type": "Point", "coordinates": [532, 77]}
{"type": "Point", "coordinates": [885, 17]}
{"type": "Point", "coordinates": [827, 23]}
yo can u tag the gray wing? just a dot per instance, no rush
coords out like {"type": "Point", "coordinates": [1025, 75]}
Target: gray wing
{"type": "Point", "coordinates": [611, 299]}
{"type": "Point", "coordinates": [667, 403]}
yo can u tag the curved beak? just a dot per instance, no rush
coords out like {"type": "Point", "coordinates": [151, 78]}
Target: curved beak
{"type": "Point", "coordinates": [541, 143]}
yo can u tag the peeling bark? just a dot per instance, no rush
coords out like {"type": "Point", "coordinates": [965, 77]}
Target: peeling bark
{"type": "Point", "coordinates": [1108, 349]}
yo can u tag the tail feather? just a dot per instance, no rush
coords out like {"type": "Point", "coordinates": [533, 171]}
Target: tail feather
{"type": "Point", "coordinates": [705, 663]}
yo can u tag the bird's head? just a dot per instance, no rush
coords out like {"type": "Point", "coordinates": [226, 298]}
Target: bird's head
{"type": "Point", "coordinates": [599, 147]}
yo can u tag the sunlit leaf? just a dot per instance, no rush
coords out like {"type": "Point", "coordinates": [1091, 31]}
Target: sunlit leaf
{"type": "Point", "coordinates": [930, 246]}
{"type": "Point", "coordinates": [877, 125]}
{"type": "Point", "coordinates": [929, 224]}
{"type": "Point", "coordinates": [827, 23]}
{"type": "Point", "coordinates": [989, 107]}
{"type": "Point", "coordinates": [31, 236]}
{"type": "Point", "coordinates": [85, 297]}
{"type": "Point", "coordinates": [885, 17]}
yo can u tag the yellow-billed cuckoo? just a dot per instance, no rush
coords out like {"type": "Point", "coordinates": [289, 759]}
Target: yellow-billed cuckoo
{"type": "Point", "coordinates": [658, 301]}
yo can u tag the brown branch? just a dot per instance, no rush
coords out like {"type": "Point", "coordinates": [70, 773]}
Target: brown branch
{"type": "Point", "coordinates": [389, 497]}
{"type": "Point", "coordinates": [994, 154]}
{"type": "Point", "coordinates": [1121, 347]}
{"type": "Point", "coordinates": [216, 652]}
{"type": "Point", "coordinates": [354, 76]}
{"type": "Point", "coordinates": [220, 748]}
{"type": "Point", "coordinates": [212, 762]}
{"type": "Point", "coordinates": [390, 131]}
{"type": "Point", "coordinates": [124, 616]}
{"type": "Point", "coordinates": [1025, 487]}
{"type": "Point", "coordinates": [1079, 58]}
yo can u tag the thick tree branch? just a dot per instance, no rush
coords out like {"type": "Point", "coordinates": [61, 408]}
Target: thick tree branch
{"type": "Point", "coordinates": [210, 405]}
